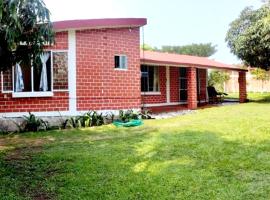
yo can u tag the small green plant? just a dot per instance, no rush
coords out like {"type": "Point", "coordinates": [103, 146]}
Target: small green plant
{"type": "Point", "coordinates": [34, 124]}
{"type": "Point", "coordinates": [92, 118]}
{"type": "Point", "coordinates": [72, 122]}
{"type": "Point", "coordinates": [110, 117]}
{"type": "Point", "coordinates": [126, 116]}
{"type": "Point", "coordinates": [96, 118]}
{"type": "Point", "coordinates": [217, 79]}
{"type": "Point", "coordinates": [145, 114]}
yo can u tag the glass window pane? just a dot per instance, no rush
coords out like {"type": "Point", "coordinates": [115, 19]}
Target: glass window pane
{"type": "Point", "coordinates": [156, 79]}
{"type": "Point", "coordinates": [26, 74]}
{"type": "Point", "coordinates": [183, 72]}
{"type": "Point", "coordinates": [151, 78]}
{"type": "Point", "coordinates": [116, 61]}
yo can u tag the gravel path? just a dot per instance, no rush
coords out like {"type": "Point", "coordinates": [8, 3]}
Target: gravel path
{"type": "Point", "coordinates": [172, 114]}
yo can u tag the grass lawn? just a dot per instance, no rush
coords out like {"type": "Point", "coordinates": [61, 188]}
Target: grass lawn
{"type": "Point", "coordinates": [215, 153]}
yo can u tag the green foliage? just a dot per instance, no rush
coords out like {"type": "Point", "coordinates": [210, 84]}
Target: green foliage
{"type": "Point", "coordinates": [148, 47]}
{"type": "Point", "coordinates": [217, 153]}
{"type": "Point", "coordinates": [25, 28]}
{"type": "Point", "coordinates": [110, 117]}
{"type": "Point", "coordinates": [217, 79]}
{"type": "Point", "coordinates": [72, 122]}
{"type": "Point", "coordinates": [145, 114]}
{"type": "Point", "coordinates": [34, 124]}
{"type": "Point", "coordinates": [203, 50]}
{"type": "Point", "coordinates": [249, 37]}
{"type": "Point", "coordinates": [126, 116]}
{"type": "Point", "coordinates": [260, 74]}
{"type": "Point", "coordinates": [89, 119]}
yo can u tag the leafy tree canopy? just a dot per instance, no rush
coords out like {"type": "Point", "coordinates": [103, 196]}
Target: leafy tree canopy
{"type": "Point", "coordinates": [204, 50]}
{"type": "Point", "coordinates": [25, 28]}
{"type": "Point", "coordinates": [260, 74]}
{"type": "Point", "coordinates": [217, 79]}
{"type": "Point", "coordinates": [249, 37]}
{"type": "Point", "coordinates": [148, 47]}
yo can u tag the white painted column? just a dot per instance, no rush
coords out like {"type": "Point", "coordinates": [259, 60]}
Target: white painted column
{"type": "Point", "coordinates": [72, 72]}
{"type": "Point", "coordinates": [168, 93]}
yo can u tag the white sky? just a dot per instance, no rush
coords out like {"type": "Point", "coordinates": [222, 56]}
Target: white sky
{"type": "Point", "coordinates": [170, 22]}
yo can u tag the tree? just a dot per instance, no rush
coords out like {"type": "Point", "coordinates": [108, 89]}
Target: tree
{"type": "Point", "coordinates": [148, 47]}
{"type": "Point", "coordinates": [249, 37]}
{"type": "Point", "coordinates": [260, 74]}
{"type": "Point", "coordinates": [25, 29]}
{"type": "Point", "coordinates": [217, 79]}
{"type": "Point", "coordinates": [204, 50]}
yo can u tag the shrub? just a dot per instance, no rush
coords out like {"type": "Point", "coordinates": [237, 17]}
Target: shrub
{"type": "Point", "coordinates": [217, 79]}
{"type": "Point", "coordinates": [126, 116]}
{"type": "Point", "coordinates": [92, 118]}
{"type": "Point", "coordinates": [145, 114]}
{"type": "Point", "coordinates": [33, 123]}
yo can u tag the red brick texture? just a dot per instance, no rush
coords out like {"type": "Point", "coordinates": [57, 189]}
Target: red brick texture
{"type": "Point", "coordinates": [59, 102]}
{"type": "Point", "coordinates": [192, 88]}
{"type": "Point", "coordinates": [203, 84]}
{"type": "Point", "coordinates": [61, 41]}
{"type": "Point", "coordinates": [242, 87]}
{"type": "Point", "coordinates": [152, 99]}
{"type": "Point", "coordinates": [174, 84]}
{"type": "Point", "coordinates": [174, 87]}
{"type": "Point", "coordinates": [99, 85]}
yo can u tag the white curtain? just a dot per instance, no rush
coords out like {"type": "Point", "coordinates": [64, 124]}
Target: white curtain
{"type": "Point", "coordinates": [43, 86]}
{"type": "Point", "coordinates": [19, 84]}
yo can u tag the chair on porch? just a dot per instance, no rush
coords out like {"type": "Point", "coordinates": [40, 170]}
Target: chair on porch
{"type": "Point", "coordinates": [214, 96]}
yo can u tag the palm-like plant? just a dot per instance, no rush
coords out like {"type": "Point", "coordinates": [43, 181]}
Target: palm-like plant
{"type": "Point", "coordinates": [25, 28]}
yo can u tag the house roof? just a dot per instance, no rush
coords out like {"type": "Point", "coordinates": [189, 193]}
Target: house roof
{"type": "Point", "coordinates": [98, 23]}
{"type": "Point", "coordinates": [159, 58]}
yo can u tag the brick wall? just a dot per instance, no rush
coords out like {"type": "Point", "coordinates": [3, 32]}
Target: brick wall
{"type": "Point", "coordinates": [174, 84]}
{"type": "Point", "coordinates": [59, 102]}
{"type": "Point", "coordinates": [192, 88]}
{"type": "Point", "coordinates": [203, 84]}
{"type": "Point", "coordinates": [242, 87]}
{"type": "Point", "coordinates": [99, 85]}
{"type": "Point", "coordinates": [151, 99]}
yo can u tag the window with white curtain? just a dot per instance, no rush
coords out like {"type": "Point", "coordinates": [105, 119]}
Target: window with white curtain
{"type": "Point", "coordinates": [31, 81]}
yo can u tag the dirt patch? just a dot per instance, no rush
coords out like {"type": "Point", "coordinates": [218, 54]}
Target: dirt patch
{"type": "Point", "coordinates": [9, 142]}
{"type": "Point", "coordinates": [21, 163]}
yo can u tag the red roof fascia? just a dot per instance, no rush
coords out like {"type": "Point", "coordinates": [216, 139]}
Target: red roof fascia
{"type": "Point", "coordinates": [99, 23]}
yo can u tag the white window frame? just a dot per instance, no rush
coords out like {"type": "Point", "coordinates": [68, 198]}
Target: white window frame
{"type": "Point", "coordinates": [33, 93]}
{"type": "Point", "coordinates": [2, 85]}
{"type": "Point", "coordinates": [120, 62]}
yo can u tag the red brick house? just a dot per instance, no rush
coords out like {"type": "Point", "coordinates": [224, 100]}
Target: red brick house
{"type": "Point", "coordinates": [97, 65]}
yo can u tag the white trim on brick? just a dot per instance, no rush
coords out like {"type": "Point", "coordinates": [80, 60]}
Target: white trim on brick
{"type": "Point", "coordinates": [164, 104]}
{"type": "Point", "coordinates": [150, 93]}
{"type": "Point", "coordinates": [72, 71]}
{"type": "Point", "coordinates": [31, 94]}
{"type": "Point", "coordinates": [59, 113]}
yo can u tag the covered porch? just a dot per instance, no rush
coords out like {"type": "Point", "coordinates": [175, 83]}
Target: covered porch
{"type": "Point", "coordinates": [173, 82]}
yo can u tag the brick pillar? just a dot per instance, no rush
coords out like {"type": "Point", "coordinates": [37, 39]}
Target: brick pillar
{"type": "Point", "coordinates": [242, 87]}
{"type": "Point", "coordinates": [192, 88]}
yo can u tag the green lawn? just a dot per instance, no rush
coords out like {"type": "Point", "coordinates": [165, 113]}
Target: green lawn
{"type": "Point", "coordinates": [215, 153]}
{"type": "Point", "coordinates": [258, 97]}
